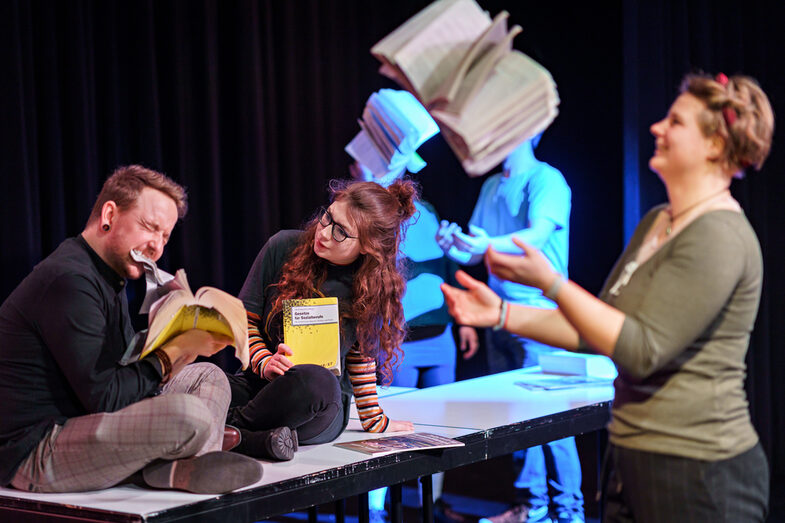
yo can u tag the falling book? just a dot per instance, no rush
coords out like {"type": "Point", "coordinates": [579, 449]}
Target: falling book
{"type": "Point", "coordinates": [401, 443]}
{"type": "Point", "coordinates": [311, 330]}
{"type": "Point", "coordinates": [486, 97]}
{"type": "Point", "coordinates": [208, 309]}
{"type": "Point", "coordinates": [393, 125]}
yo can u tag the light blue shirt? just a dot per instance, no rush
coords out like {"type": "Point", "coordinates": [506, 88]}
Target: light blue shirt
{"type": "Point", "coordinates": [509, 204]}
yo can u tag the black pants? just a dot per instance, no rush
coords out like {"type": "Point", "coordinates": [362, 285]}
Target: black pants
{"type": "Point", "coordinates": [651, 488]}
{"type": "Point", "coordinates": [306, 398]}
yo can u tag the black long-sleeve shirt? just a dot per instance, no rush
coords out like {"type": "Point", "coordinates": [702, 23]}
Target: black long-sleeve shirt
{"type": "Point", "coordinates": [63, 331]}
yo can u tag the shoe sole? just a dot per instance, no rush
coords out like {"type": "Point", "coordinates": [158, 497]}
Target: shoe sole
{"type": "Point", "coordinates": [212, 473]}
{"type": "Point", "coordinates": [283, 443]}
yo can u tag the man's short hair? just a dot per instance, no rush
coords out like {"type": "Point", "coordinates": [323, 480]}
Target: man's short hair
{"type": "Point", "coordinates": [126, 183]}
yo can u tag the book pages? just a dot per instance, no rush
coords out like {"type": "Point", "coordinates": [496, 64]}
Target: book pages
{"type": "Point", "coordinates": [481, 57]}
{"type": "Point", "coordinates": [429, 46]}
{"type": "Point", "coordinates": [363, 149]}
{"type": "Point", "coordinates": [393, 126]}
{"type": "Point", "coordinates": [211, 310]}
{"type": "Point", "coordinates": [486, 97]}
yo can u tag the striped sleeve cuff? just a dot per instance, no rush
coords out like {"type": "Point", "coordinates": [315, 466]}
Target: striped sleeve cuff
{"type": "Point", "coordinates": [362, 373]}
{"type": "Point", "coordinates": [256, 345]}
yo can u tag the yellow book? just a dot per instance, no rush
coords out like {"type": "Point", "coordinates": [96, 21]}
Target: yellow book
{"type": "Point", "coordinates": [208, 309]}
{"type": "Point", "coordinates": [311, 330]}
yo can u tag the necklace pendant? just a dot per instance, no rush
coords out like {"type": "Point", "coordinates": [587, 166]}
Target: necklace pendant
{"type": "Point", "coordinates": [668, 230]}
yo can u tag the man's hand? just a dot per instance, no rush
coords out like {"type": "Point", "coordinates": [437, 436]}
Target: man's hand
{"type": "Point", "coordinates": [278, 364]}
{"type": "Point", "coordinates": [184, 348]}
{"type": "Point", "coordinates": [445, 234]}
{"type": "Point", "coordinates": [475, 243]}
{"type": "Point", "coordinates": [447, 238]}
{"type": "Point", "coordinates": [469, 341]}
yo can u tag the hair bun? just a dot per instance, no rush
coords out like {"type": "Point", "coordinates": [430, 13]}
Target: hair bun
{"type": "Point", "coordinates": [739, 112]}
{"type": "Point", "coordinates": [406, 192]}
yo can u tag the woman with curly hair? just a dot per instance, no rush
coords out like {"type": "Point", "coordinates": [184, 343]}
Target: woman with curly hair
{"type": "Point", "coordinates": [348, 250]}
{"type": "Point", "coordinates": [675, 315]}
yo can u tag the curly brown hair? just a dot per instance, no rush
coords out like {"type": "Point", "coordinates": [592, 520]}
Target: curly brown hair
{"type": "Point", "coordinates": [748, 133]}
{"type": "Point", "coordinates": [378, 286]}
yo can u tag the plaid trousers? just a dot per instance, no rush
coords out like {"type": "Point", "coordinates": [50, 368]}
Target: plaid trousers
{"type": "Point", "coordinates": [100, 450]}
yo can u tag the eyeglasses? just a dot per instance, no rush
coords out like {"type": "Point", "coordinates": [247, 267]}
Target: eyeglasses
{"type": "Point", "coordinates": [338, 232]}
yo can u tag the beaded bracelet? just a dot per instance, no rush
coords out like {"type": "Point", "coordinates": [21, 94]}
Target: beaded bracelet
{"type": "Point", "coordinates": [503, 308]}
{"type": "Point", "coordinates": [553, 291]}
{"type": "Point", "coordinates": [166, 365]}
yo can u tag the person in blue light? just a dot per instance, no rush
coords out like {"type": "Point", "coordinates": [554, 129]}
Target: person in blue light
{"type": "Point", "coordinates": [529, 199]}
{"type": "Point", "coordinates": [429, 348]}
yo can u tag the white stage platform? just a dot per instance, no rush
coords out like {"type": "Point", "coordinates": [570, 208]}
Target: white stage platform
{"type": "Point", "coordinates": [491, 414]}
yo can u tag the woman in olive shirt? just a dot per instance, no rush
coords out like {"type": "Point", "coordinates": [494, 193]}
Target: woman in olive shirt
{"type": "Point", "coordinates": [675, 315]}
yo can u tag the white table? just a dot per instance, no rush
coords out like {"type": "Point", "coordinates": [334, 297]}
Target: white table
{"type": "Point", "coordinates": [492, 415]}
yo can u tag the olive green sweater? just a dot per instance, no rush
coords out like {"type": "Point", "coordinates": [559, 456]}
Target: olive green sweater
{"type": "Point", "coordinates": [690, 309]}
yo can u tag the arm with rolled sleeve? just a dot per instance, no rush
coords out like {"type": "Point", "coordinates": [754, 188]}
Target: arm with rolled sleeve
{"type": "Point", "coordinates": [265, 271]}
{"type": "Point", "coordinates": [362, 372]}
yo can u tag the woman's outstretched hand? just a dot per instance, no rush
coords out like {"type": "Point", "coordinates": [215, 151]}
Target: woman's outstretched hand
{"type": "Point", "coordinates": [400, 426]}
{"type": "Point", "coordinates": [478, 305]}
{"type": "Point", "coordinates": [529, 268]}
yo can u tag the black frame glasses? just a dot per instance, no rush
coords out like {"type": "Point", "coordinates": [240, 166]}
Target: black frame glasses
{"type": "Point", "coordinates": [339, 234]}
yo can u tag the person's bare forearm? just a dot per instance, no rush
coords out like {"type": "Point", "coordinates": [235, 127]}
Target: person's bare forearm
{"type": "Point", "coordinates": [598, 323]}
{"type": "Point", "coordinates": [548, 326]}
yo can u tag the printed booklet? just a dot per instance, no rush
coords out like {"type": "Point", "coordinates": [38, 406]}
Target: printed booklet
{"type": "Point", "coordinates": [400, 443]}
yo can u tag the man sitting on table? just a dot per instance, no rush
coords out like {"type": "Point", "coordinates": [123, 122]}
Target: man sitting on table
{"type": "Point", "coordinates": [73, 418]}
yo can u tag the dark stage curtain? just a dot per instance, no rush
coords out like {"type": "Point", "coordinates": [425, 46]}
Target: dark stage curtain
{"type": "Point", "coordinates": [250, 103]}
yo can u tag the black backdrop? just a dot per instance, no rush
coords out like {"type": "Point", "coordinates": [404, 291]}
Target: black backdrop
{"type": "Point", "coordinates": [250, 103]}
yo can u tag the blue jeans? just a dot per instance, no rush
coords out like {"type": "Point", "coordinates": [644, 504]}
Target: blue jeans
{"type": "Point", "coordinates": [553, 464]}
{"type": "Point", "coordinates": [428, 362]}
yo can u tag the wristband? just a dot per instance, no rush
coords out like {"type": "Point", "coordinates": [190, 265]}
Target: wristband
{"type": "Point", "coordinates": [553, 291]}
{"type": "Point", "coordinates": [166, 365]}
{"type": "Point", "coordinates": [502, 315]}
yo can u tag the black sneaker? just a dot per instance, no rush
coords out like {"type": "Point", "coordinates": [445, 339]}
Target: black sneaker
{"type": "Point", "coordinates": [279, 444]}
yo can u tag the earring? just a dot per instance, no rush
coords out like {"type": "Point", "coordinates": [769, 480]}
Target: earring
{"type": "Point", "coordinates": [106, 227]}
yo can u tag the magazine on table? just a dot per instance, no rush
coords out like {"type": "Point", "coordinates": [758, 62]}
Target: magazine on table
{"type": "Point", "coordinates": [400, 443]}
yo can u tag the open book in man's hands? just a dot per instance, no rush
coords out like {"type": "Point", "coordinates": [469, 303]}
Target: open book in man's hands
{"type": "Point", "coordinates": [487, 97]}
{"type": "Point", "coordinates": [179, 310]}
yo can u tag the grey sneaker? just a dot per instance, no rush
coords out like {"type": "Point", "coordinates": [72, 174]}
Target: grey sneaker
{"type": "Point", "coordinates": [212, 473]}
